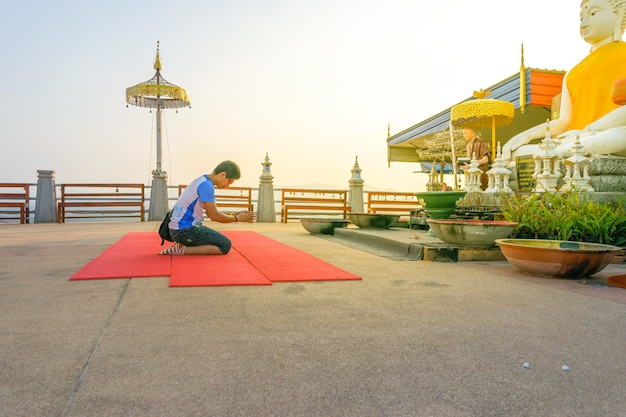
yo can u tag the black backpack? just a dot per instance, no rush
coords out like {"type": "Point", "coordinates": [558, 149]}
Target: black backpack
{"type": "Point", "coordinates": [164, 229]}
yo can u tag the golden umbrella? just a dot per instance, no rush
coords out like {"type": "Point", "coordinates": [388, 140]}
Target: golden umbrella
{"type": "Point", "coordinates": [159, 94]}
{"type": "Point", "coordinates": [482, 113]}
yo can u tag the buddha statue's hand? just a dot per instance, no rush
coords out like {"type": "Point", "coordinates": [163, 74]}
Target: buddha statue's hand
{"type": "Point", "coordinates": [591, 128]}
{"type": "Point", "coordinates": [569, 134]}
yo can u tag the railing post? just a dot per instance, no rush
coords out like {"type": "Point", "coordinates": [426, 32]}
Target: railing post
{"type": "Point", "coordinates": [45, 209]}
{"type": "Point", "coordinates": [266, 212]}
{"type": "Point", "coordinates": [158, 196]}
{"type": "Point", "coordinates": [355, 200]}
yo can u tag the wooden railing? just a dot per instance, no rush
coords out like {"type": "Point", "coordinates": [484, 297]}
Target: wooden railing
{"type": "Point", "coordinates": [391, 202]}
{"type": "Point", "coordinates": [14, 201]}
{"type": "Point", "coordinates": [239, 198]}
{"type": "Point", "coordinates": [297, 203]}
{"type": "Point", "coordinates": [75, 197]}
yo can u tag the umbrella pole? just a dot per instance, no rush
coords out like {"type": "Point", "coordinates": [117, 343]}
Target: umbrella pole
{"type": "Point", "coordinates": [158, 139]}
{"type": "Point", "coordinates": [454, 169]}
{"type": "Point", "coordinates": [493, 135]}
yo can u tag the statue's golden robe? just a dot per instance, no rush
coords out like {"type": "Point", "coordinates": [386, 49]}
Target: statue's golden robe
{"type": "Point", "coordinates": [589, 83]}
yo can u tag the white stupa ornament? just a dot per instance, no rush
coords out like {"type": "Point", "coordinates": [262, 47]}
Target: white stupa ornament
{"type": "Point", "coordinates": [499, 176]}
{"type": "Point", "coordinates": [547, 165]}
{"type": "Point", "coordinates": [577, 170]}
{"type": "Point", "coordinates": [473, 180]}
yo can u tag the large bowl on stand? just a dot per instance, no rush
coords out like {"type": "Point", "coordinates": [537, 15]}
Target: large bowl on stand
{"type": "Point", "coordinates": [557, 258]}
{"type": "Point", "coordinates": [323, 226]}
{"type": "Point", "coordinates": [440, 204]}
{"type": "Point", "coordinates": [373, 220]}
{"type": "Point", "coordinates": [466, 232]}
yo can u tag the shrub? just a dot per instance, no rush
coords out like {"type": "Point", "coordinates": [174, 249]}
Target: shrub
{"type": "Point", "coordinates": [567, 216]}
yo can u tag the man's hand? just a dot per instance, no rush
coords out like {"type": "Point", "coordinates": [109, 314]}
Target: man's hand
{"type": "Point", "coordinates": [246, 216]}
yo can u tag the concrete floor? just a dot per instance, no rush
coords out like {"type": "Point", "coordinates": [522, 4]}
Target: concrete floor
{"type": "Point", "coordinates": [413, 338]}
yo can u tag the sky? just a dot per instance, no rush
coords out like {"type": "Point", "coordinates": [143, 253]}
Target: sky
{"type": "Point", "coordinates": [313, 84]}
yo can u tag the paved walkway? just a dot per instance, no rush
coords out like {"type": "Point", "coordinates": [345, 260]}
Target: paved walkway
{"type": "Point", "coordinates": [413, 338]}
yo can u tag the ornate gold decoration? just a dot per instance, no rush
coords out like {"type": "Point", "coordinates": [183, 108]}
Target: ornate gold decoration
{"type": "Point", "coordinates": [439, 147]}
{"type": "Point", "coordinates": [482, 113]}
{"type": "Point", "coordinates": [157, 92]}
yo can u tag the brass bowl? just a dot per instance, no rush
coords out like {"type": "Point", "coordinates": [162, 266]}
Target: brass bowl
{"type": "Point", "coordinates": [557, 258]}
{"type": "Point", "coordinates": [481, 233]}
{"type": "Point", "coordinates": [373, 220]}
{"type": "Point", "coordinates": [323, 226]}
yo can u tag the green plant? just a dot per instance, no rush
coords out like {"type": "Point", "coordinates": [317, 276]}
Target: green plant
{"type": "Point", "coordinates": [602, 223]}
{"type": "Point", "coordinates": [567, 216]}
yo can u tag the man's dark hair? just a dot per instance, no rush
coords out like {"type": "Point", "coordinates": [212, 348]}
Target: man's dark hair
{"type": "Point", "coordinates": [230, 168]}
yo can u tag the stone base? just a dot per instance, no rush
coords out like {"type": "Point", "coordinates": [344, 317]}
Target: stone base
{"type": "Point", "coordinates": [613, 197]}
{"type": "Point", "coordinates": [435, 252]}
{"type": "Point", "coordinates": [607, 172]}
{"type": "Point", "coordinates": [608, 183]}
{"type": "Point", "coordinates": [607, 165]}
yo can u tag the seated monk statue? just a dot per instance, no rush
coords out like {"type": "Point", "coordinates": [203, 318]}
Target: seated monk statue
{"type": "Point", "coordinates": [587, 109]}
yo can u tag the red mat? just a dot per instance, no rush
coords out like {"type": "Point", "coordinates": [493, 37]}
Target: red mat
{"type": "Point", "coordinates": [199, 271]}
{"type": "Point", "coordinates": [282, 263]}
{"type": "Point", "coordinates": [133, 256]}
{"type": "Point", "coordinates": [253, 260]}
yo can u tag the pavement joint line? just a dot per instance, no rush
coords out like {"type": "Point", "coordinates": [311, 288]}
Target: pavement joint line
{"type": "Point", "coordinates": [83, 373]}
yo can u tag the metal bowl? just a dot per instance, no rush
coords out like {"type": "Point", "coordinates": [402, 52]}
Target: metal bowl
{"type": "Point", "coordinates": [323, 226]}
{"type": "Point", "coordinates": [373, 220]}
{"type": "Point", "coordinates": [557, 258]}
{"type": "Point", "coordinates": [482, 233]}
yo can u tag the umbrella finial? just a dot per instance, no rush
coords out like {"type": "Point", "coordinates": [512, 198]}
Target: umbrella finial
{"type": "Point", "coordinates": [157, 60]}
{"type": "Point", "coordinates": [482, 94]}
